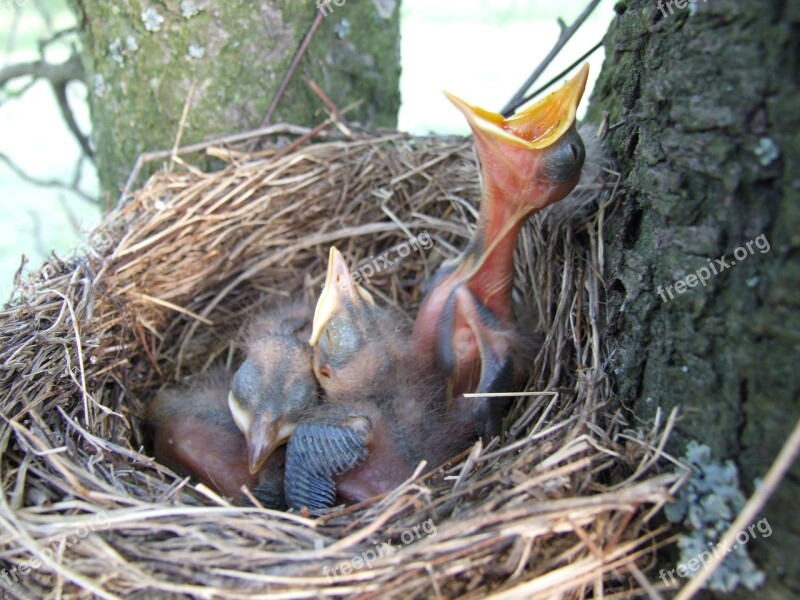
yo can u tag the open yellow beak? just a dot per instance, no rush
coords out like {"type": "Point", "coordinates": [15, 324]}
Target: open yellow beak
{"type": "Point", "coordinates": [339, 285]}
{"type": "Point", "coordinates": [536, 127]}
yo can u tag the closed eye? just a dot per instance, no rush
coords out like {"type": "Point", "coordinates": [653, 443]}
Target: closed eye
{"type": "Point", "coordinates": [576, 152]}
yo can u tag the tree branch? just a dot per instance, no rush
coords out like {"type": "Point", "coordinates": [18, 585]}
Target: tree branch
{"type": "Point", "coordinates": [58, 76]}
{"type": "Point", "coordinates": [52, 183]}
{"type": "Point", "coordinates": [63, 73]}
{"type": "Point", "coordinates": [69, 118]}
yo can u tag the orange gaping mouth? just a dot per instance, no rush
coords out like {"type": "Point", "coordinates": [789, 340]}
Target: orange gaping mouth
{"type": "Point", "coordinates": [536, 127]}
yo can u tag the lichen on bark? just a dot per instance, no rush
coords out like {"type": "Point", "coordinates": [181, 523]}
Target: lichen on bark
{"type": "Point", "coordinates": [142, 57]}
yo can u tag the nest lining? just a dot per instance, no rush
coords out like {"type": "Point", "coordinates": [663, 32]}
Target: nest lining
{"type": "Point", "coordinates": [560, 508]}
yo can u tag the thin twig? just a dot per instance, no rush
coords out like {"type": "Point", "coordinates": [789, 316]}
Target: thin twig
{"type": "Point", "coordinates": [60, 92]}
{"type": "Point", "coordinates": [513, 106]}
{"type": "Point", "coordinates": [184, 115]}
{"type": "Point", "coordinates": [147, 157]}
{"type": "Point", "coordinates": [45, 42]}
{"type": "Point", "coordinates": [565, 35]}
{"type": "Point", "coordinates": [292, 67]}
{"type": "Point", "coordinates": [340, 120]}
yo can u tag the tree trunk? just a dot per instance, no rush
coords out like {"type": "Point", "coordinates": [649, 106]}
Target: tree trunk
{"type": "Point", "coordinates": [707, 92]}
{"type": "Point", "coordinates": [142, 58]}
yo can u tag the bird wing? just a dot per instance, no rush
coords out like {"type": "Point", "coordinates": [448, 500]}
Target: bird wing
{"type": "Point", "coordinates": [316, 452]}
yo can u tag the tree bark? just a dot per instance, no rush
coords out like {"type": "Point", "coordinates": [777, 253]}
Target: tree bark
{"type": "Point", "coordinates": [143, 57]}
{"type": "Point", "coordinates": [708, 148]}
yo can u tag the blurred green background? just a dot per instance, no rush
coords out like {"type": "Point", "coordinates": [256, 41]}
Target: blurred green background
{"type": "Point", "coordinates": [479, 50]}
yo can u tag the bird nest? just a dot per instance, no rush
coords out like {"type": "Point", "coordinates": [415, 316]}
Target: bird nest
{"type": "Point", "coordinates": [561, 507]}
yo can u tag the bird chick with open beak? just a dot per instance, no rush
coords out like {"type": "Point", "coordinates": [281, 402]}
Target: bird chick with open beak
{"type": "Point", "coordinates": [194, 433]}
{"type": "Point", "coordinates": [466, 323]}
{"type": "Point", "coordinates": [274, 385]}
{"type": "Point", "coordinates": [378, 417]}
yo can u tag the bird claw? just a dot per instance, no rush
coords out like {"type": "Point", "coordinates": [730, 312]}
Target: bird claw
{"type": "Point", "coordinates": [316, 453]}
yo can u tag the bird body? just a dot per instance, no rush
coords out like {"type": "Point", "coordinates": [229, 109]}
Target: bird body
{"type": "Point", "coordinates": [466, 324]}
{"type": "Point", "coordinates": [387, 466]}
{"type": "Point", "coordinates": [381, 412]}
{"type": "Point", "coordinates": [404, 408]}
{"type": "Point", "coordinates": [275, 384]}
{"type": "Point", "coordinates": [194, 433]}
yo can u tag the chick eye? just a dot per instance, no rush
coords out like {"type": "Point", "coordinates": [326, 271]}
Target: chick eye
{"type": "Point", "coordinates": [339, 341]}
{"type": "Point", "coordinates": [564, 159]}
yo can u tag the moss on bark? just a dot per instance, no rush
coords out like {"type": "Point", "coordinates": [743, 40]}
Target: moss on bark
{"type": "Point", "coordinates": [709, 147]}
{"type": "Point", "coordinates": [143, 57]}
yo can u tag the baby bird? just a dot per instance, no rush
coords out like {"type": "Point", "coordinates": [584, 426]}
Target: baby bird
{"type": "Point", "coordinates": [378, 418]}
{"type": "Point", "coordinates": [465, 323]}
{"type": "Point", "coordinates": [275, 383]}
{"type": "Point", "coordinates": [194, 433]}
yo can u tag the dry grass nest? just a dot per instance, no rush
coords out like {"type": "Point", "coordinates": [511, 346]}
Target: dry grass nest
{"type": "Point", "coordinates": [561, 507]}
